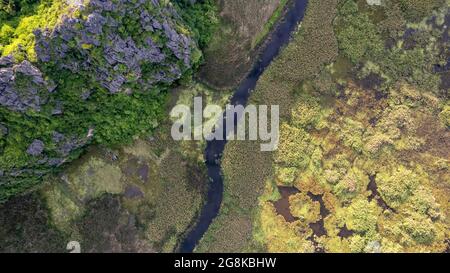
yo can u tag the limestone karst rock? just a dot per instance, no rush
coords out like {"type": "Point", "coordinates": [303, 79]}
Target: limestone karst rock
{"type": "Point", "coordinates": [96, 50]}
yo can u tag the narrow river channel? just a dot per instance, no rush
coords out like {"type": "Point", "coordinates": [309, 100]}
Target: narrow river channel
{"type": "Point", "coordinates": [214, 149]}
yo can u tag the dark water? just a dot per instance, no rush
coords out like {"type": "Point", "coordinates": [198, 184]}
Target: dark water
{"type": "Point", "coordinates": [213, 153]}
{"type": "Point", "coordinates": [318, 228]}
{"type": "Point", "coordinates": [375, 194]}
{"type": "Point", "coordinates": [282, 206]}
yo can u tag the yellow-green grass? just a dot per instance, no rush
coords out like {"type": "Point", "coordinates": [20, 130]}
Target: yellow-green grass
{"type": "Point", "coordinates": [245, 168]}
{"type": "Point", "coordinates": [340, 148]}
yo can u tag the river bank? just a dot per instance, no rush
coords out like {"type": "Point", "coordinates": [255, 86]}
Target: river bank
{"type": "Point", "coordinates": [213, 153]}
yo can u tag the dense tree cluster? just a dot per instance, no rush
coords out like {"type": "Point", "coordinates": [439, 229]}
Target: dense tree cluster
{"type": "Point", "coordinates": [74, 73]}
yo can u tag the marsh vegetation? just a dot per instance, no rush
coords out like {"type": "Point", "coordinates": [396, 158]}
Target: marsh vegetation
{"type": "Point", "coordinates": [364, 128]}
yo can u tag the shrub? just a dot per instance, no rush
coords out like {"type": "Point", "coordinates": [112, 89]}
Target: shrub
{"type": "Point", "coordinates": [397, 185]}
{"type": "Point", "coordinates": [359, 37]}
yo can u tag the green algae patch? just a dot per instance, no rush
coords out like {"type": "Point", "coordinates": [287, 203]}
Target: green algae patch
{"type": "Point", "coordinates": [94, 178]}
{"type": "Point", "coordinates": [67, 194]}
{"type": "Point", "coordinates": [63, 210]}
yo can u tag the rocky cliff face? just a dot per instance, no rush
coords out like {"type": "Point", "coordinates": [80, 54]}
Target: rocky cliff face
{"type": "Point", "coordinates": [22, 85]}
{"type": "Point", "coordinates": [120, 42]}
{"type": "Point", "coordinates": [96, 41]}
{"type": "Point", "coordinates": [118, 46]}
